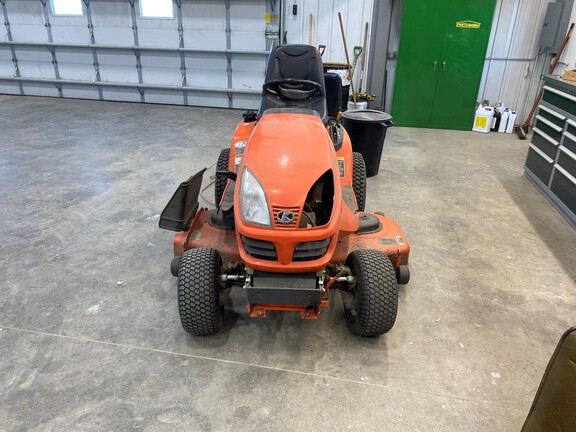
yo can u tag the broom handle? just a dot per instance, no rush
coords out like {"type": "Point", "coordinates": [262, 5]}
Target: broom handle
{"type": "Point", "coordinates": [347, 60]}
{"type": "Point", "coordinates": [363, 58]}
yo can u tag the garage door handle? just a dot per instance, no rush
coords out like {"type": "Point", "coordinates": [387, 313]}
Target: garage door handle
{"type": "Point", "coordinates": [444, 66]}
{"type": "Point", "coordinates": [435, 65]}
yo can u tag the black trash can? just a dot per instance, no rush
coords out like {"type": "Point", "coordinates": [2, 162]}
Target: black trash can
{"type": "Point", "coordinates": [342, 70]}
{"type": "Point", "coordinates": [367, 130]}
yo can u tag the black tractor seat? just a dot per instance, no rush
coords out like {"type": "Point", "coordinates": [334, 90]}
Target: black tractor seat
{"type": "Point", "coordinates": [294, 80]}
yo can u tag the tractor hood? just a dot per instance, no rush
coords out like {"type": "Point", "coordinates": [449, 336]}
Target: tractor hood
{"type": "Point", "coordinates": [288, 153]}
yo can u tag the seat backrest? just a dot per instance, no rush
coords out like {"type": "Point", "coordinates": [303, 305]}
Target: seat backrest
{"type": "Point", "coordinates": [554, 406]}
{"type": "Point", "coordinates": [300, 62]}
{"type": "Point", "coordinates": [333, 85]}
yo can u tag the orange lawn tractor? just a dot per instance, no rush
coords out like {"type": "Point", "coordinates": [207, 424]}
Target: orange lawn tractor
{"type": "Point", "coordinates": [290, 224]}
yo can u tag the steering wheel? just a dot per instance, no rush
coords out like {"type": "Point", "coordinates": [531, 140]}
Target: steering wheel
{"type": "Point", "coordinates": [292, 88]}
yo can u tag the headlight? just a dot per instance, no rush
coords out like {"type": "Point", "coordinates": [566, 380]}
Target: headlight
{"type": "Point", "coordinates": [253, 202]}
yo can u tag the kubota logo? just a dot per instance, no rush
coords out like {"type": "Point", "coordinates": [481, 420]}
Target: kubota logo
{"type": "Point", "coordinates": [285, 217]}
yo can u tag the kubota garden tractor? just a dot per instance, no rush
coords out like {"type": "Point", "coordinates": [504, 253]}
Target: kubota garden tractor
{"type": "Point", "coordinates": [290, 224]}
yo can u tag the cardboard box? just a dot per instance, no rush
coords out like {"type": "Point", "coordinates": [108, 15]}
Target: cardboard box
{"type": "Point", "coordinates": [569, 75]}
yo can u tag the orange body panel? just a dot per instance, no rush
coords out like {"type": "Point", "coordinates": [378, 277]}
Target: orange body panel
{"type": "Point", "coordinates": [287, 153]}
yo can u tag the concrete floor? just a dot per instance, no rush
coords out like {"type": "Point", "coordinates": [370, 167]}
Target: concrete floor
{"type": "Point", "coordinates": [82, 184]}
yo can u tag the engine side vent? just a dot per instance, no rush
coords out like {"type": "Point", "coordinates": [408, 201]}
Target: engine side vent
{"type": "Point", "coordinates": [259, 249]}
{"type": "Point", "coordinates": [282, 218]}
{"type": "Point", "coordinates": [309, 251]}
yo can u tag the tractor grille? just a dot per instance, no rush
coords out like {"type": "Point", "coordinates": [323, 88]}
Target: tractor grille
{"type": "Point", "coordinates": [309, 251]}
{"type": "Point", "coordinates": [259, 249]}
{"type": "Point", "coordinates": [277, 224]}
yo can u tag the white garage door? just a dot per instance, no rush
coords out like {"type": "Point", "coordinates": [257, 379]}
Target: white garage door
{"type": "Point", "coordinates": [207, 53]}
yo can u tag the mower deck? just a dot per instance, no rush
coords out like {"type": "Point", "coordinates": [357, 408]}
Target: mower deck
{"type": "Point", "coordinates": [390, 240]}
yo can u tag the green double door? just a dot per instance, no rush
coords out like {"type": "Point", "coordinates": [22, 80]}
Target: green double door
{"type": "Point", "coordinates": [440, 61]}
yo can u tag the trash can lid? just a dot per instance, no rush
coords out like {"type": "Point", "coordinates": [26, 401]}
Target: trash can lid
{"type": "Point", "coordinates": [368, 116]}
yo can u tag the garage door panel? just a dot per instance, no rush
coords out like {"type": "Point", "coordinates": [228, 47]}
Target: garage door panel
{"type": "Point", "coordinates": [247, 80]}
{"type": "Point", "coordinates": [74, 55]}
{"type": "Point", "coordinates": [164, 97]}
{"type": "Point", "coordinates": [9, 87]}
{"type": "Point", "coordinates": [120, 94]}
{"type": "Point", "coordinates": [36, 69]}
{"type": "Point", "coordinates": [6, 68]}
{"type": "Point", "coordinates": [75, 71]}
{"type": "Point", "coordinates": [206, 61]}
{"type": "Point", "coordinates": [120, 74]}
{"type": "Point", "coordinates": [162, 76]}
{"type": "Point", "coordinates": [80, 92]}
{"type": "Point", "coordinates": [39, 89]}
{"type": "Point", "coordinates": [248, 16]}
{"type": "Point", "coordinates": [246, 102]}
{"type": "Point", "coordinates": [249, 40]}
{"type": "Point", "coordinates": [206, 15]}
{"type": "Point", "coordinates": [114, 36]}
{"type": "Point", "coordinates": [65, 34]}
{"type": "Point", "coordinates": [250, 63]}
{"type": "Point", "coordinates": [160, 59]}
{"type": "Point", "coordinates": [208, 100]}
{"type": "Point", "coordinates": [117, 58]}
{"type": "Point", "coordinates": [5, 54]}
{"type": "Point", "coordinates": [32, 54]}
{"type": "Point", "coordinates": [204, 39]}
{"type": "Point", "coordinates": [111, 14]}
{"type": "Point", "coordinates": [164, 38]}
{"type": "Point", "coordinates": [199, 78]}
{"type": "Point", "coordinates": [25, 12]}
{"type": "Point", "coordinates": [28, 33]}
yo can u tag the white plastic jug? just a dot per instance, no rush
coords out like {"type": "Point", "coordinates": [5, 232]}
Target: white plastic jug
{"type": "Point", "coordinates": [511, 122]}
{"type": "Point", "coordinates": [504, 121]}
{"type": "Point", "coordinates": [483, 119]}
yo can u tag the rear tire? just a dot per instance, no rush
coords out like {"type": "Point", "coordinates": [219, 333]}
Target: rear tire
{"type": "Point", "coordinates": [198, 291]}
{"type": "Point", "coordinates": [359, 180]}
{"type": "Point", "coordinates": [375, 295]}
{"type": "Point", "coordinates": [220, 183]}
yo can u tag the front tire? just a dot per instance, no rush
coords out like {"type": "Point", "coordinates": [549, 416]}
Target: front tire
{"type": "Point", "coordinates": [375, 294]}
{"type": "Point", "coordinates": [220, 182]}
{"type": "Point", "coordinates": [359, 180]}
{"type": "Point", "coordinates": [198, 291]}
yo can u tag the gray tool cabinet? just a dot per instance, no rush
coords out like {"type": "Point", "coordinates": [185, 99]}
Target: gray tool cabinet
{"type": "Point", "coordinates": [551, 161]}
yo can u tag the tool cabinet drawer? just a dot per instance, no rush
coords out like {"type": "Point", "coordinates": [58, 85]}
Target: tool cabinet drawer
{"type": "Point", "coordinates": [561, 99]}
{"type": "Point", "coordinates": [540, 164]}
{"type": "Point", "coordinates": [549, 128]}
{"type": "Point", "coordinates": [551, 115]}
{"type": "Point", "coordinates": [571, 127]}
{"type": "Point", "coordinates": [569, 141]}
{"type": "Point", "coordinates": [564, 187]}
{"type": "Point", "coordinates": [545, 143]}
{"type": "Point", "coordinates": [567, 160]}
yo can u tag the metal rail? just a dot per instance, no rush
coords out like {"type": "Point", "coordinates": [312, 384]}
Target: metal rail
{"type": "Point", "coordinates": [58, 82]}
{"type": "Point", "coordinates": [133, 48]}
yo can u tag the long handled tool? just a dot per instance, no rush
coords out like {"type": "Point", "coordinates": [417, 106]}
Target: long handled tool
{"type": "Point", "coordinates": [363, 58]}
{"type": "Point", "coordinates": [347, 60]}
{"type": "Point", "coordinates": [357, 53]}
{"type": "Point", "coordinates": [310, 30]}
{"type": "Point", "coordinates": [526, 124]}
